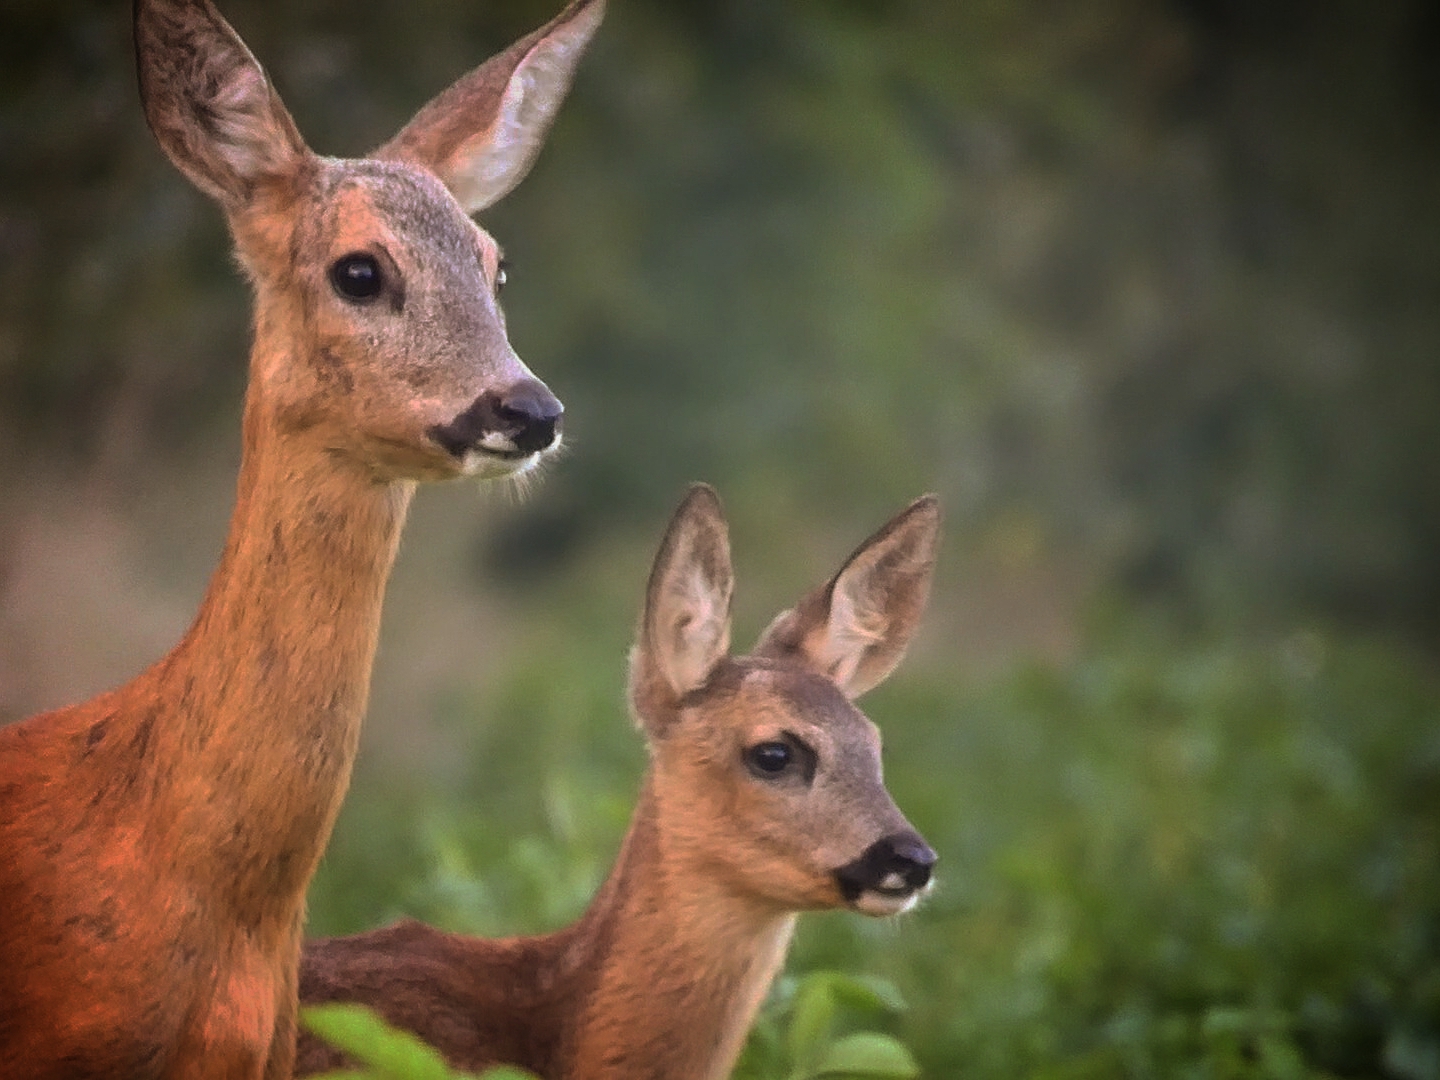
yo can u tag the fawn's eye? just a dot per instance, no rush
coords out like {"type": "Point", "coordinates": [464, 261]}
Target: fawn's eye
{"type": "Point", "coordinates": [769, 758]}
{"type": "Point", "coordinates": [357, 277]}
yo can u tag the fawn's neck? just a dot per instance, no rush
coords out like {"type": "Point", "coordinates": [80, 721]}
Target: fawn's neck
{"type": "Point", "coordinates": [682, 965]}
{"type": "Point", "coordinates": [264, 696]}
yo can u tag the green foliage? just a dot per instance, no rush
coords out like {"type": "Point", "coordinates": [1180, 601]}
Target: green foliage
{"type": "Point", "coordinates": [1164, 858]}
{"type": "Point", "coordinates": [797, 1036]}
{"type": "Point", "coordinates": [384, 1052]}
{"type": "Point", "coordinates": [1214, 862]}
{"type": "Point", "coordinates": [793, 1040]}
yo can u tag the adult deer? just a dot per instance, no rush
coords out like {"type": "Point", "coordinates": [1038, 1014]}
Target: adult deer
{"type": "Point", "coordinates": [156, 842]}
{"type": "Point", "coordinates": [764, 798]}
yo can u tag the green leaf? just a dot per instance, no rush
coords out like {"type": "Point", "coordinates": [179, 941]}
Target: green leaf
{"type": "Point", "coordinates": [866, 1054]}
{"type": "Point", "coordinates": [507, 1072]}
{"type": "Point", "coordinates": [1224, 1021]}
{"type": "Point", "coordinates": [386, 1050]}
{"type": "Point", "coordinates": [866, 993]}
{"type": "Point", "coordinates": [810, 1018]}
{"type": "Point", "coordinates": [1280, 1058]}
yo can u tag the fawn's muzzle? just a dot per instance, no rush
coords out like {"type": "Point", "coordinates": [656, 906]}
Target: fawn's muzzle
{"type": "Point", "coordinates": [896, 865]}
{"type": "Point", "coordinates": [516, 423]}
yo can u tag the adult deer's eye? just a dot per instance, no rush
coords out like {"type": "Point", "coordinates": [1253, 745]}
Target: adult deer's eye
{"type": "Point", "coordinates": [769, 758]}
{"type": "Point", "coordinates": [357, 277]}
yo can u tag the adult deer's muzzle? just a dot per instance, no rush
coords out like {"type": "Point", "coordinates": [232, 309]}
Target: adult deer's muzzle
{"type": "Point", "coordinates": [523, 420]}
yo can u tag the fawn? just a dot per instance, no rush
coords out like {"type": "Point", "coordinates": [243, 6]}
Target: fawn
{"type": "Point", "coordinates": [156, 842]}
{"type": "Point", "coordinates": [763, 798]}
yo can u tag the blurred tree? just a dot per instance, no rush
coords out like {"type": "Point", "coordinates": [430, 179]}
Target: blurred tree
{"type": "Point", "coordinates": [1159, 279]}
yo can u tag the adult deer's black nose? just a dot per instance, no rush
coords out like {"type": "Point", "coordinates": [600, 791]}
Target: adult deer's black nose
{"type": "Point", "coordinates": [530, 415]}
{"type": "Point", "coordinates": [517, 422]}
{"type": "Point", "coordinates": [895, 864]}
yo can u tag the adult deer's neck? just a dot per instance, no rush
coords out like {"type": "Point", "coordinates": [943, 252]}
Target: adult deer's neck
{"type": "Point", "coordinates": [266, 692]}
{"type": "Point", "coordinates": [682, 964]}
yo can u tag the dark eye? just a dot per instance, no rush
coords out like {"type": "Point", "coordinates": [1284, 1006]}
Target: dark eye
{"type": "Point", "coordinates": [357, 277]}
{"type": "Point", "coordinates": [769, 758]}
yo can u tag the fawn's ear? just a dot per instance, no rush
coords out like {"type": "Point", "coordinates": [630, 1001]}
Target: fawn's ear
{"type": "Point", "coordinates": [685, 627]}
{"type": "Point", "coordinates": [208, 101]}
{"type": "Point", "coordinates": [480, 136]}
{"type": "Point", "coordinates": [854, 629]}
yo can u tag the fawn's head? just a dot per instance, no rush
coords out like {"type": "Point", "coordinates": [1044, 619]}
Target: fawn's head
{"type": "Point", "coordinates": [378, 327]}
{"type": "Point", "coordinates": [763, 770]}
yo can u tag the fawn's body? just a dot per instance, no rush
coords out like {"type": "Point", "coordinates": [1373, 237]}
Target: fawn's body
{"type": "Point", "coordinates": [156, 842]}
{"type": "Point", "coordinates": [764, 798]}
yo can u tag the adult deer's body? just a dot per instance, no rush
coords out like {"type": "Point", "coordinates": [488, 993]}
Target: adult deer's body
{"type": "Point", "coordinates": [156, 842]}
{"type": "Point", "coordinates": [764, 798]}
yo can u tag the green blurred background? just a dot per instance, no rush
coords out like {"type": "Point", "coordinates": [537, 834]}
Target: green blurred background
{"type": "Point", "coordinates": [1149, 292]}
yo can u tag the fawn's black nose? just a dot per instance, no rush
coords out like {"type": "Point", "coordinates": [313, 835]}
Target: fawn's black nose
{"type": "Point", "coordinates": [895, 865]}
{"type": "Point", "coordinates": [530, 415]}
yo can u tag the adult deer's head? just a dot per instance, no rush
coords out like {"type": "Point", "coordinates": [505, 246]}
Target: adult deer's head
{"type": "Point", "coordinates": [379, 334]}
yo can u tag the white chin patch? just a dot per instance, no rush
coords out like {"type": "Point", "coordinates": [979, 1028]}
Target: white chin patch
{"type": "Point", "coordinates": [881, 904]}
{"type": "Point", "coordinates": [488, 466]}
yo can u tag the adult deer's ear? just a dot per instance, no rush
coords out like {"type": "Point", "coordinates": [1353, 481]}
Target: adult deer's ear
{"type": "Point", "coordinates": [855, 628]}
{"type": "Point", "coordinates": [208, 101]}
{"type": "Point", "coordinates": [685, 627]}
{"type": "Point", "coordinates": [481, 135]}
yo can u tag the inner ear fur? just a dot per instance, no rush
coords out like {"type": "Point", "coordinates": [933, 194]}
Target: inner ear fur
{"type": "Point", "coordinates": [209, 102]}
{"type": "Point", "coordinates": [481, 135]}
{"type": "Point", "coordinates": [685, 626]}
{"type": "Point", "coordinates": [855, 628]}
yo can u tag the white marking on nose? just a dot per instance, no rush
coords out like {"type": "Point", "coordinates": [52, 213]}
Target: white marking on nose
{"type": "Point", "coordinates": [498, 443]}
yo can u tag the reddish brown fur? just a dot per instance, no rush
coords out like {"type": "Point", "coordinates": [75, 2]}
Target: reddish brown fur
{"type": "Point", "coordinates": [156, 842]}
{"type": "Point", "coordinates": [662, 975]}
